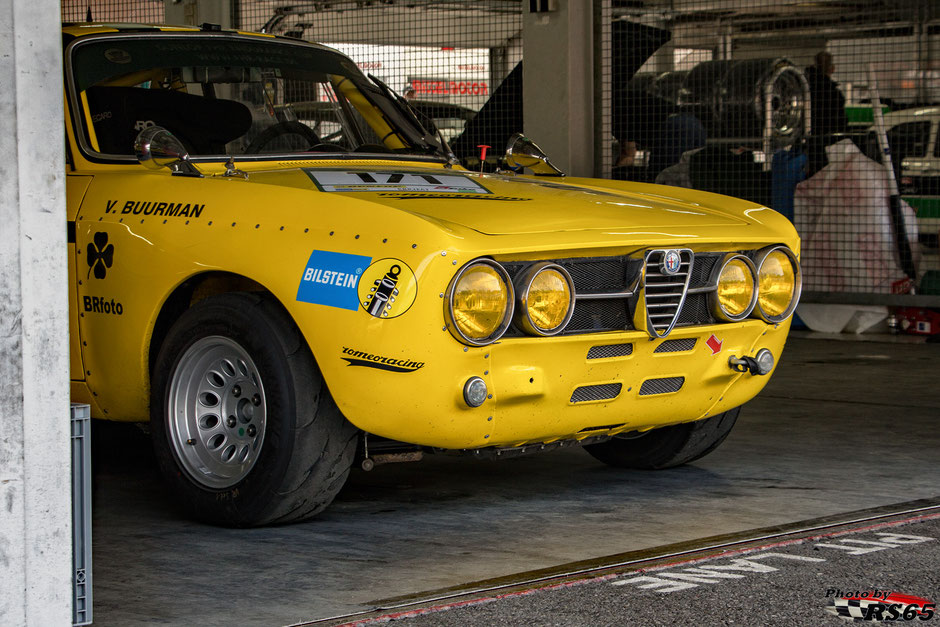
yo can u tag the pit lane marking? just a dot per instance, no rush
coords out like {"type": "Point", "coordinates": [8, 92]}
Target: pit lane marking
{"type": "Point", "coordinates": [668, 580]}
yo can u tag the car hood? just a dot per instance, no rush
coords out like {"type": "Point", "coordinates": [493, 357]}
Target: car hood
{"type": "Point", "coordinates": [503, 205]}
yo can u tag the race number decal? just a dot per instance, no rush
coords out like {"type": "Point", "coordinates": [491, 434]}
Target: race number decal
{"type": "Point", "coordinates": [355, 181]}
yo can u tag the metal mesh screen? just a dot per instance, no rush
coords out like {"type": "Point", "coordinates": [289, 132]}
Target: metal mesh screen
{"type": "Point", "coordinates": [146, 11]}
{"type": "Point", "coordinates": [771, 102]}
{"type": "Point", "coordinates": [777, 103]}
{"type": "Point", "coordinates": [449, 59]}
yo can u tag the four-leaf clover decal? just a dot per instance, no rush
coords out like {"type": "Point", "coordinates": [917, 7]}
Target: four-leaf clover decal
{"type": "Point", "coordinates": [100, 255]}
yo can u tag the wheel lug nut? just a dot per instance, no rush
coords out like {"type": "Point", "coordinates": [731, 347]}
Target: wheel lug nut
{"type": "Point", "coordinates": [237, 391]}
{"type": "Point", "coordinates": [256, 399]}
{"type": "Point", "coordinates": [252, 431]}
{"type": "Point", "coordinates": [231, 421]}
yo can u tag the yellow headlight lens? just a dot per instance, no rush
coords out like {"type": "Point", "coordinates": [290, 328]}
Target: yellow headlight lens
{"type": "Point", "coordinates": [548, 300]}
{"type": "Point", "coordinates": [736, 288]}
{"type": "Point", "coordinates": [777, 284]}
{"type": "Point", "coordinates": [480, 302]}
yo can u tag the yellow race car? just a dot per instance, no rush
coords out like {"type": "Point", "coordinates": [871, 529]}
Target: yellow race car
{"type": "Point", "coordinates": [283, 292]}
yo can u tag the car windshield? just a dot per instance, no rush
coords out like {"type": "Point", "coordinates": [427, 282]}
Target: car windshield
{"type": "Point", "coordinates": [236, 95]}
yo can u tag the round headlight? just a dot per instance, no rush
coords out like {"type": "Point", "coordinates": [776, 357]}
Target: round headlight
{"type": "Point", "coordinates": [736, 293]}
{"type": "Point", "coordinates": [479, 303]}
{"type": "Point", "coordinates": [546, 299]}
{"type": "Point", "coordinates": [779, 283]}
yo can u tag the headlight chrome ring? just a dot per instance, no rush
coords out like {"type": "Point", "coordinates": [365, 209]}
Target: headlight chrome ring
{"type": "Point", "coordinates": [721, 298]}
{"type": "Point", "coordinates": [477, 317]}
{"type": "Point", "coordinates": [527, 290]}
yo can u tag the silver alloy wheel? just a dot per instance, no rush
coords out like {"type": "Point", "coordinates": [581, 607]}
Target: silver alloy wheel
{"type": "Point", "coordinates": [218, 410]}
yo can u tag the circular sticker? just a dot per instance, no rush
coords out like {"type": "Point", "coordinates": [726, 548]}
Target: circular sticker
{"type": "Point", "coordinates": [387, 288]}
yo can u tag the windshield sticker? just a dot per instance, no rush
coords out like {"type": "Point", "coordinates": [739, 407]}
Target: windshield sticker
{"type": "Point", "coordinates": [332, 279]}
{"type": "Point", "coordinates": [346, 181]}
{"type": "Point", "coordinates": [388, 288]}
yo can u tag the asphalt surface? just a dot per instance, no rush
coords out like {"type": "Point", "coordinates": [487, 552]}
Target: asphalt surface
{"type": "Point", "coordinates": [784, 581]}
{"type": "Point", "coordinates": [843, 426]}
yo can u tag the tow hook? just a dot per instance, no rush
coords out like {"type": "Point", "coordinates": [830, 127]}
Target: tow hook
{"type": "Point", "coordinates": [760, 364]}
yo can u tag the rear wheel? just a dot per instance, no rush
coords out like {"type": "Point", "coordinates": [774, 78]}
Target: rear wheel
{"type": "Point", "coordinates": [244, 428]}
{"type": "Point", "coordinates": [666, 447]}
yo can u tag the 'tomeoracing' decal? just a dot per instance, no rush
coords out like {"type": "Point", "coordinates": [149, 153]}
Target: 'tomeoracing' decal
{"type": "Point", "coordinates": [331, 279]}
{"type": "Point", "coordinates": [369, 360]}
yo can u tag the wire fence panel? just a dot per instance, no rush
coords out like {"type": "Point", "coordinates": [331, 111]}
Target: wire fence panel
{"type": "Point", "coordinates": [458, 63]}
{"type": "Point", "coordinates": [140, 11]}
{"type": "Point", "coordinates": [777, 103]}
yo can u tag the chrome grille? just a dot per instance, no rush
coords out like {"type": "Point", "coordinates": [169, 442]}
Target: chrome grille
{"type": "Point", "coordinates": [661, 386]}
{"type": "Point", "coordinates": [610, 350]}
{"type": "Point", "coordinates": [607, 291]}
{"type": "Point", "coordinates": [676, 346]}
{"type": "Point", "coordinates": [665, 292]}
{"type": "Point", "coordinates": [603, 392]}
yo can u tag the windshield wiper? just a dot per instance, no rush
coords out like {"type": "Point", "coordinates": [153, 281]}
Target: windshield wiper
{"type": "Point", "coordinates": [411, 117]}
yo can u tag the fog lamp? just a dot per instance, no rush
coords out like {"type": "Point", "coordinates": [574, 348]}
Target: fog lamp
{"type": "Point", "coordinates": [474, 391]}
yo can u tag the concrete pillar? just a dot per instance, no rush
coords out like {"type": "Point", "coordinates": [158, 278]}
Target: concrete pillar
{"type": "Point", "coordinates": [35, 484]}
{"type": "Point", "coordinates": [558, 83]}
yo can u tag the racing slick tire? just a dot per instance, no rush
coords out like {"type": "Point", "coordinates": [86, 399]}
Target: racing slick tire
{"type": "Point", "coordinates": [244, 427]}
{"type": "Point", "coordinates": [666, 447]}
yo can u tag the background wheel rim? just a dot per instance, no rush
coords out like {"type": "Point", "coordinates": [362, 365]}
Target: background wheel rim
{"type": "Point", "coordinates": [217, 412]}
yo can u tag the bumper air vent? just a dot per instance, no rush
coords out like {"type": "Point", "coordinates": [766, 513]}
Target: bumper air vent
{"type": "Point", "coordinates": [676, 346]}
{"type": "Point", "coordinates": [603, 392]}
{"type": "Point", "coordinates": [661, 386]}
{"type": "Point", "coordinates": [610, 350]}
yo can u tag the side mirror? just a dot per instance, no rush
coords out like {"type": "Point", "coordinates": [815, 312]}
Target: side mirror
{"type": "Point", "coordinates": [158, 148]}
{"type": "Point", "coordinates": [521, 152]}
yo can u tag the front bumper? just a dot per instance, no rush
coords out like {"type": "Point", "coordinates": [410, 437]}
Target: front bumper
{"type": "Point", "coordinates": [569, 387]}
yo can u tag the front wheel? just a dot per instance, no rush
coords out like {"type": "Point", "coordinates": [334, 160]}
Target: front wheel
{"type": "Point", "coordinates": [244, 427]}
{"type": "Point", "coordinates": [666, 447]}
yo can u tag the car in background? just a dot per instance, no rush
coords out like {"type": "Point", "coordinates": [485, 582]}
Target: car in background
{"type": "Point", "coordinates": [915, 152]}
{"type": "Point", "coordinates": [279, 266]}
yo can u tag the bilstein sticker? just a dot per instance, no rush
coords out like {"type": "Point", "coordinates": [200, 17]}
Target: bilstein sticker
{"type": "Point", "coordinates": [388, 288]}
{"type": "Point", "coordinates": [368, 360]}
{"type": "Point", "coordinates": [346, 181]}
{"type": "Point", "coordinates": [331, 279]}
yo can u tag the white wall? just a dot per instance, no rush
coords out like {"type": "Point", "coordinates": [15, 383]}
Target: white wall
{"type": "Point", "coordinates": [35, 512]}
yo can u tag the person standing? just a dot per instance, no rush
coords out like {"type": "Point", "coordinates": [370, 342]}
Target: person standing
{"type": "Point", "coordinates": [827, 108]}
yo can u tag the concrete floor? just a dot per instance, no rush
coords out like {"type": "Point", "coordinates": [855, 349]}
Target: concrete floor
{"type": "Point", "coordinates": [842, 426]}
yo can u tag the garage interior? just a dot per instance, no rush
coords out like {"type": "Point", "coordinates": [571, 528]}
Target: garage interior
{"type": "Point", "coordinates": [846, 425]}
